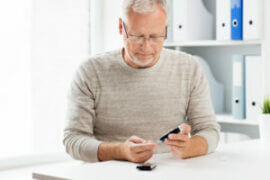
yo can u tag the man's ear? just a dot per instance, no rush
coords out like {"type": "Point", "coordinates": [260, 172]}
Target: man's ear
{"type": "Point", "coordinates": [120, 26]}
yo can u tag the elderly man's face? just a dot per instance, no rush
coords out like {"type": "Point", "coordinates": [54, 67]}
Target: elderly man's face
{"type": "Point", "coordinates": [152, 27]}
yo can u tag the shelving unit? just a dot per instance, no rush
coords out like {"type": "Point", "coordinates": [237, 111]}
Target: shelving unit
{"type": "Point", "coordinates": [228, 118]}
{"type": "Point", "coordinates": [218, 54]}
{"type": "Point", "coordinates": [228, 124]}
{"type": "Point", "coordinates": [212, 43]}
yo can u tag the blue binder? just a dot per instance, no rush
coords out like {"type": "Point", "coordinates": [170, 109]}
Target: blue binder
{"type": "Point", "coordinates": [237, 19]}
{"type": "Point", "coordinates": [239, 87]}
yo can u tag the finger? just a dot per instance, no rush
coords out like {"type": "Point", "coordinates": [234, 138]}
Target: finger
{"type": "Point", "coordinates": [176, 151]}
{"type": "Point", "coordinates": [175, 143]}
{"type": "Point", "coordinates": [143, 147]}
{"type": "Point", "coordinates": [143, 159]}
{"type": "Point", "coordinates": [179, 137]}
{"type": "Point", "coordinates": [176, 148]}
{"type": "Point", "coordinates": [145, 155]}
{"type": "Point", "coordinates": [149, 141]}
{"type": "Point", "coordinates": [136, 139]}
{"type": "Point", "coordinates": [185, 128]}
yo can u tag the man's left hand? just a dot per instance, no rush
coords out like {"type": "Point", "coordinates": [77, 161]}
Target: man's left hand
{"type": "Point", "coordinates": [182, 146]}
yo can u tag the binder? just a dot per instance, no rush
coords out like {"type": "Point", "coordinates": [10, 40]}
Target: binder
{"type": "Point", "coordinates": [238, 88]}
{"type": "Point", "coordinates": [236, 19]}
{"type": "Point", "coordinates": [191, 21]}
{"type": "Point", "coordinates": [253, 19]}
{"type": "Point", "coordinates": [223, 25]}
{"type": "Point", "coordinates": [180, 20]}
{"type": "Point", "coordinates": [254, 86]}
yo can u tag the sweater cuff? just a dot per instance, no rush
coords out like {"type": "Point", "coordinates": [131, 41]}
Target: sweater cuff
{"type": "Point", "coordinates": [211, 137]}
{"type": "Point", "coordinates": [90, 150]}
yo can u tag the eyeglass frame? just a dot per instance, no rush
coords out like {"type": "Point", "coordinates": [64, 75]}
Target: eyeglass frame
{"type": "Point", "coordinates": [134, 36]}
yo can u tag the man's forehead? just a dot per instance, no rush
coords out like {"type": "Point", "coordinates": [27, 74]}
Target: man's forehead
{"type": "Point", "coordinates": [144, 26]}
{"type": "Point", "coordinates": [158, 15]}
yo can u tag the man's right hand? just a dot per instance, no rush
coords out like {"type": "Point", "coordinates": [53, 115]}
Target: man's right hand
{"type": "Point", "coordinates": [138, 150]}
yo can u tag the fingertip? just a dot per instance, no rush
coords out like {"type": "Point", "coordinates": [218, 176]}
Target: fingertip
{"type": "Point", "coordinates": [186, 127]}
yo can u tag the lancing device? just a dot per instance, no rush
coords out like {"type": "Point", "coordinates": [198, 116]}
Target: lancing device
{"type": "Point", "coordinates": [174, 131]}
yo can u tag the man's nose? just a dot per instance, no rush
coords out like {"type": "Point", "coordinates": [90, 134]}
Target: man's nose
{"type": "Point", "coordinates": [146, 44]}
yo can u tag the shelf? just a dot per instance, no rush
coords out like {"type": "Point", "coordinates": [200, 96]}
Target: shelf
{"type": "Point", "coordinates": [227, 118]}
{"type": "Point", "coordinates": [212, 43]}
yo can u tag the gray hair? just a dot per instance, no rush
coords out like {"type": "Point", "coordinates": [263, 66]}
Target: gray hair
{"type": "Point", "coordinates": [143, 6]}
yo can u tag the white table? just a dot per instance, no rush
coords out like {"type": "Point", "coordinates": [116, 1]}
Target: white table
{"type": "Point", "coordinates": [244, 160]}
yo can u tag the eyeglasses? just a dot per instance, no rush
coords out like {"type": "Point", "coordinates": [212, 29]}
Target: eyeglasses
{"type": "Point", "coordinates": [139, 40]}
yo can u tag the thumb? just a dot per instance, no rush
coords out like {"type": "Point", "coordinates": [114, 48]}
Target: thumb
{"type": "Point", "coordinates": [136, 139]}
{"type": "Point", "coordinates": [185, 128]}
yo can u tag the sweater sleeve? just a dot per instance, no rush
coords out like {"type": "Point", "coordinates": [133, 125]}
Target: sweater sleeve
{"type": "Point", "coordinates": [200, 113]}
{"type": "Point", "coordinates": [78, 138]}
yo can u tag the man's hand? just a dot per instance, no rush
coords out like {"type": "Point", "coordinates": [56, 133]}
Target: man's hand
{"type": "Point", "coordinates": [182, 146]}
{"type": "Point", "coordinates": [134, 149]}
{"type": "Point", "coordinates": [138, 150]}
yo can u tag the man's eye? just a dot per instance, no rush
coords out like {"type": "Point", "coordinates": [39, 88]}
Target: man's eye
{"type": "Point", "coordinates": [139, 36]}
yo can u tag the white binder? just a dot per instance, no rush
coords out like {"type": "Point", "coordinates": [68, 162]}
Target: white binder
{"type": "Point", "coordinates": [223, 19]}
{"type": "Point", "coordinates": [254, 86]}
{"type": "Point", "coordinates": [253, 19]}
{"type": "Point", "coordinates": [191, 21]}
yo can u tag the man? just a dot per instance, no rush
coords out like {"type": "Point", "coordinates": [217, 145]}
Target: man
{"type": "Point", "coordinates": [121, 102]}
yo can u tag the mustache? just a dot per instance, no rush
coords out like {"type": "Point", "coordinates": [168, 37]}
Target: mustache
{"type": "Point", "coordinates": [145, 53]}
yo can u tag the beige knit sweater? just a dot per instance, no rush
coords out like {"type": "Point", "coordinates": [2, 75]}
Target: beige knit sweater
{"type": "Point", "coordinates": [111, 101]}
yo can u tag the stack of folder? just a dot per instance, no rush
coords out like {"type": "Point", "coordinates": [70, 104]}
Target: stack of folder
{"type": "Point", "coordinates": [247, 87]}
{"type": "Point", "coordinates": [235, 20]}
{"type": "Point", "coordinates": [239, 19]}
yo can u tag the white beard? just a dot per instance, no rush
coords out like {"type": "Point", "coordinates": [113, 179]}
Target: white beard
{"type": "Point", "coordinates": [138, 62]}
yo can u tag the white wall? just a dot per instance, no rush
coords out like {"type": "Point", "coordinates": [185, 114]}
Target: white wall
{"type": "Point", "coordinates": [60, 43]}
{"type": "Point", "coordinates": [42, 43]}
{"type": "Point", "coordinates": [112, 12]}
{"type": "Point", "coordinates": [104, 28]}
{"type": "Point", "coordinates": [266, 47]}
{"type": "Point", "coordinates": [97, 26]}
{"type": "Point", "coordinates": [15, 55]}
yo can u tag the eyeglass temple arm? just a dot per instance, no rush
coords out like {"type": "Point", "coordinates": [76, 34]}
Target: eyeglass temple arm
{"type": "Point", "coordinates": [124, 26]}
{"type": "Point", "coordinates": [166, 33]}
